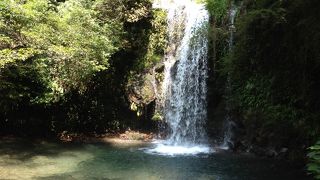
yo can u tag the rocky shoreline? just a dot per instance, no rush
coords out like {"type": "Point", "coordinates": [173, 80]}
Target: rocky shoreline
{"type": "Point", "coordinates": [128, 137]}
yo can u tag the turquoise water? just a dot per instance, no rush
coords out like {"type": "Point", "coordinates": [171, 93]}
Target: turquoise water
{"type": "Point", "coordinates": [46, 160]}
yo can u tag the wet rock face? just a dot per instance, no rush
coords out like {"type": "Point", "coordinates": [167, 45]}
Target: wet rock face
{"type": "Point", "coordinates": [144, 89]}
{"type": "Point", "coordinates": [141, 91]}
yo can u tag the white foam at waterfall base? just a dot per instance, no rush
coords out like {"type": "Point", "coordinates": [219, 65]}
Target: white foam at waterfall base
{"type": "Point", "coordinates": [161, 148]}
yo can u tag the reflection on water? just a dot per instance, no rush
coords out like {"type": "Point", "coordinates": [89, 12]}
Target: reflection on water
{"type": "Point", "coordinates": [44, 160]}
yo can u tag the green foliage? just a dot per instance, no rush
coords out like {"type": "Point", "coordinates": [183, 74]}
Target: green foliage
{"type": "Point", "coordinates": [19, 84]}
{"type": "Point", "coordinates": [273, 69]}
{"type": "Point", "coordinates": [64, 65]}
{"type": "Point", "coordinates": [67, 43]}
{"type": "Point", "coordinates": [157, 117]}
{"type": "Point", "coordinates": [157, 39]}
{"type": "Point", "coordinates": [314, 160]}
{"type": "Point", "coordinates": [127, 10]}
{"type": "Point", "coordinates": [217, 8]}
{"type": "Point", "coordinates": [9, 56]}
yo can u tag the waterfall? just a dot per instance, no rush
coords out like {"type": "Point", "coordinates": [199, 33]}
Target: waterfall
{"type": "Point", "coordinates": [186, 73]}
{"type": "Point", "coordinates": [184, 88]}
{"type": "Point", "coordinates": [229, 124]}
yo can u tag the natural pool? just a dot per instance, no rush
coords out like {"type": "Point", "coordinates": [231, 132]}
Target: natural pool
{"type": "Point", "coordinates": [21, 159]}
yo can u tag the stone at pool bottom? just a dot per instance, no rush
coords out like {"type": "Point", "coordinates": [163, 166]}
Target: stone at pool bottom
{"type": "Point", "coordinates": [48, 160]}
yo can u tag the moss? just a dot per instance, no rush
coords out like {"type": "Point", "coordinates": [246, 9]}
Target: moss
{"type": "Point", "coordinates": [157, 117]}
{"type": "Point", "coordinates": [157, 40]}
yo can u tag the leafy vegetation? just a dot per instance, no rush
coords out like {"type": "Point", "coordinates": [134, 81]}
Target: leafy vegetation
{"type": "Point", "coordinates": [64, 64]}
{"type": "Point", "coordinates": [273, 74]}
{"type": "Point", "coordinates": [52, 39]}
{"type": "Point", "coordinates": [314, 163]}
{"type": "Point", "coordinates": [217, 8]}
{"type": "Point", "coordinates": [157, 39]}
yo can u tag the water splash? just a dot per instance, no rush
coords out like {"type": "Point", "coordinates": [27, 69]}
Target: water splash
{"type": "Point", "coordinates": [184, 87]}
{"type": "Point", "coordinates": [163, 149]}
{"type": "Point", "coordinates": [185, 108]}
{"type": "Point", "coordinates": [228, 134]}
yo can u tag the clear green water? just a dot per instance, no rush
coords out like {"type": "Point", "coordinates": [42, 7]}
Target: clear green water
{"type": "Point", "coordinates": [44, 160]}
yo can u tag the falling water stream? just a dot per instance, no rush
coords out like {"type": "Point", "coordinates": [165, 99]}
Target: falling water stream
{"type": "Point", "coordinates": [184, 86]}
{"type": "Point", "coordinates": [184, 106]}
{"type": "Point", "coordinates": [229, 124]}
